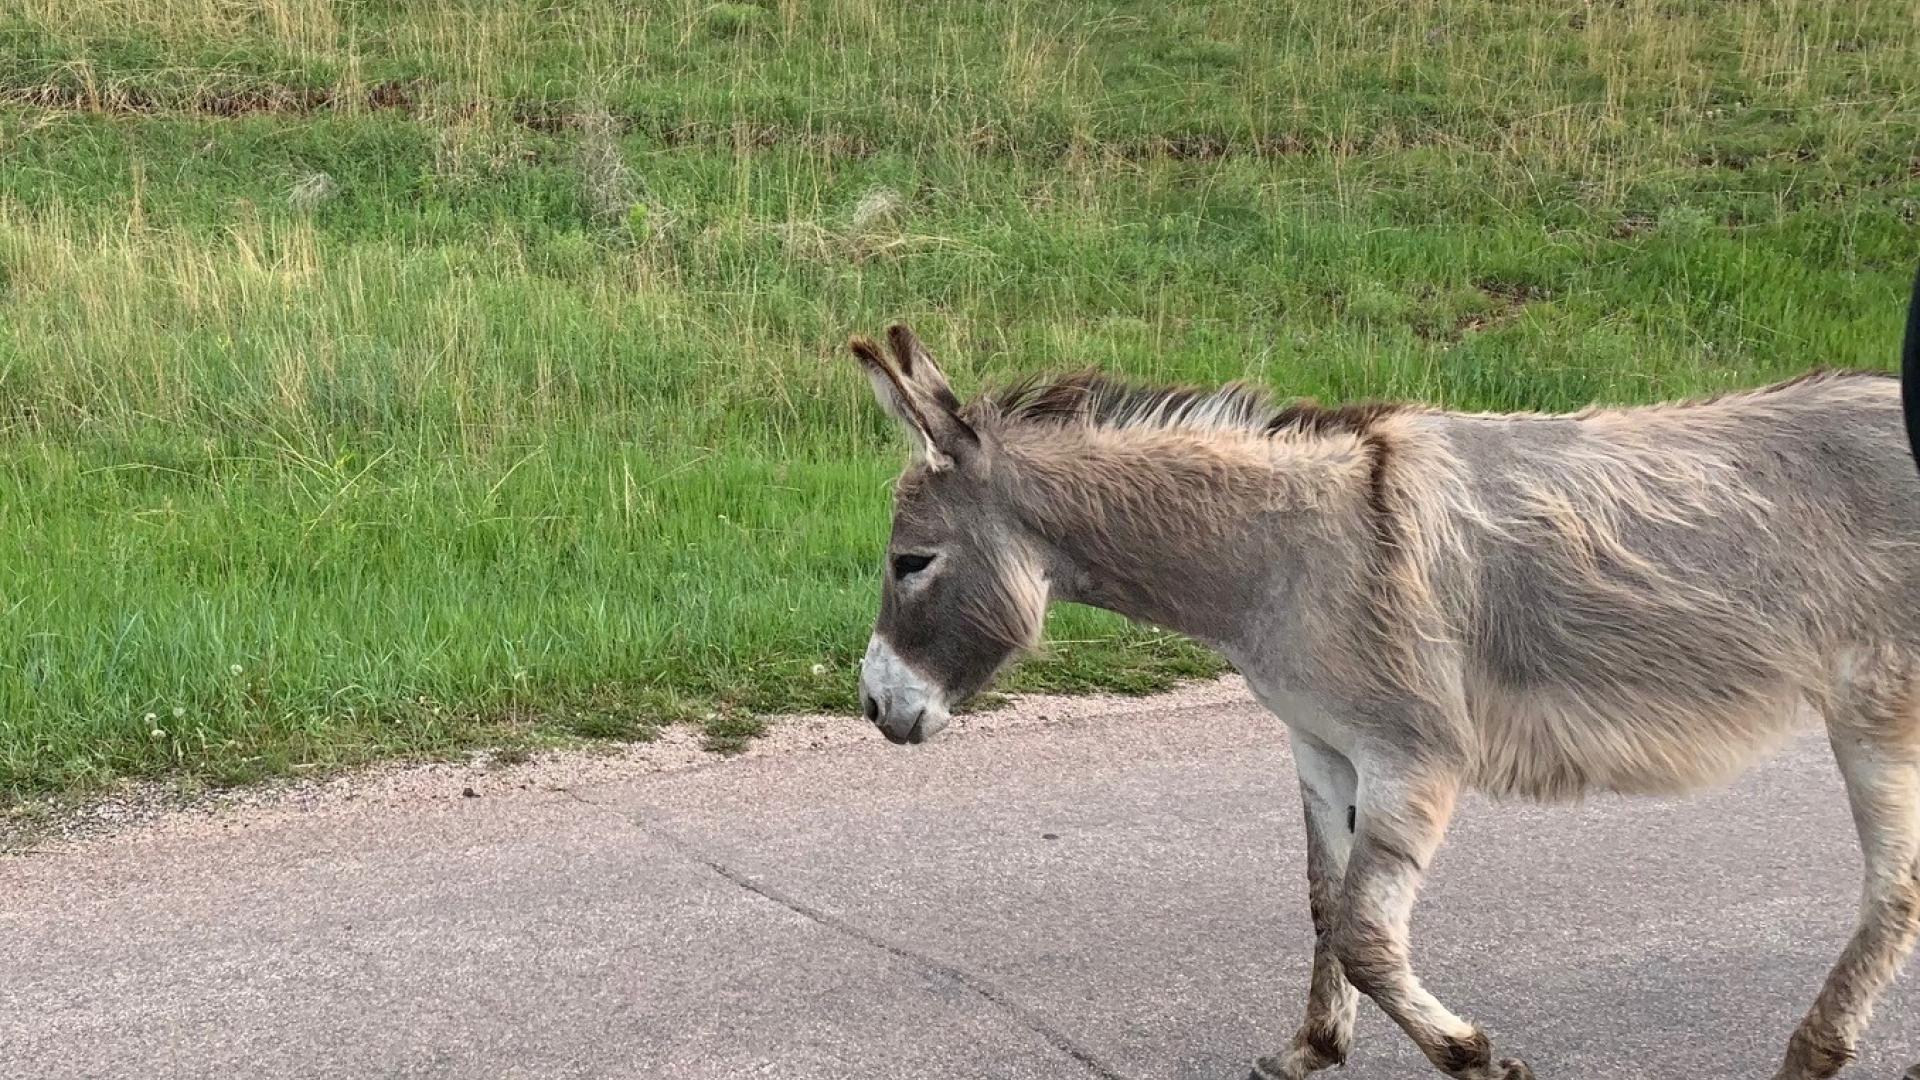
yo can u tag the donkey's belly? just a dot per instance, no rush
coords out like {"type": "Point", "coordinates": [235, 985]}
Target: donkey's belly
{"type": "Point", "coordinates": [1555, 745]}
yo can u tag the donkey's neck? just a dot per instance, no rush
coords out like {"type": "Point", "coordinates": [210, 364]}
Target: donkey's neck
{"type": "Point", "coordinates": [1191, 530]}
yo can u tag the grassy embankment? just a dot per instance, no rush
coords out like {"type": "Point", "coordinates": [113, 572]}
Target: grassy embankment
{"type": "Point", "coordinates": [383, 378]}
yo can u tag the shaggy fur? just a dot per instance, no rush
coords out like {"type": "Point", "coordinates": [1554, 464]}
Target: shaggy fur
{"type": "Point", "coordinates": [1635, 600]}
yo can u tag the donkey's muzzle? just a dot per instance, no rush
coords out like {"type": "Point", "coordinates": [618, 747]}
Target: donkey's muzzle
{"type": "Point", "coordinates": [896, 732]}
{"type": "Point", "coordinates": [903, 705]}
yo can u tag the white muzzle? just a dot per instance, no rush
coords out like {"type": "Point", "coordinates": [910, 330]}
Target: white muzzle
{"type": "Point", "coordinates": [905, 706]}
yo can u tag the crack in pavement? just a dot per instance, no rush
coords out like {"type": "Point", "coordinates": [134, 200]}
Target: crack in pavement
{"type": "Point", "coordinates": [920, 962]}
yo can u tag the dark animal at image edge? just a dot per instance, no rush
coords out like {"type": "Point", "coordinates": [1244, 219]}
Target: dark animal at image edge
{"type": "Point", "coordinates": [1638, 600]}
{"type": "Point", "coordinates": [1910, 372]}
{"type": "Point", "coordinates": [1910, 404]}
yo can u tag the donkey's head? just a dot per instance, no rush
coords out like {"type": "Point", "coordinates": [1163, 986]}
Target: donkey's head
{"type": "Point", "coordinates": [965, 591]}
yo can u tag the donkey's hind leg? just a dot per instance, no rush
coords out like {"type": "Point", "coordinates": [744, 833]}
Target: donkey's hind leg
{"type": "Point", "coordinates": [1327, 784]}
{"type": "Point", "coordinates": [1873, 719]}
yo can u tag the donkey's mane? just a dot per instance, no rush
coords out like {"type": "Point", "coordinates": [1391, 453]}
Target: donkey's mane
{"type": "Point", "coordinates": [1090, 399]}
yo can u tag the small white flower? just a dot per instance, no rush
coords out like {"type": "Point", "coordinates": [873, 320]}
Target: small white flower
{"type": "Point", "coordinates": [156, 734]}
{"type": "Point", "coordinates": [179, 711]}
{"type": "Point", "coordinates": [151, 719]}
{"type": "Point", "coordinates": [236, 669]}
{"type": "Point", "coordinates": [819, 669]}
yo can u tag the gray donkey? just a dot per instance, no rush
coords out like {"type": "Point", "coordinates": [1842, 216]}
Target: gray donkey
{"type": "Point", "coordinates": [1637, 600]}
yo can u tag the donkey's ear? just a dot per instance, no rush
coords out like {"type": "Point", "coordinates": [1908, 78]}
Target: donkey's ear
{"type": "Point", "coordinates": [932, 413]}
{"type": "Point", "coordinates": [916, 363]}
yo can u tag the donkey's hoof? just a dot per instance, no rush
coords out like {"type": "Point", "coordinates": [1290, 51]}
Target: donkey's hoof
{"type": "Point", "coordinates": [1913, 1073]}
{"type": "Point", "coordinates": [1515, 1069]}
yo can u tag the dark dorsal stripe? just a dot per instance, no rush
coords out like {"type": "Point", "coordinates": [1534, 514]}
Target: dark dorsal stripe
{"type": "Point", "coordinates": [1307, 415]}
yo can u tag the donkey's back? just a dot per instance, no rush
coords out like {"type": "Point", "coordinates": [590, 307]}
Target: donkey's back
{"type": "Point", "coordinates": [1652, 596]}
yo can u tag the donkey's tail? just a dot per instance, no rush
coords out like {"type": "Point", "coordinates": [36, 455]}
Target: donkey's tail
{"type": "Point", "coordinates": [1910, 373]}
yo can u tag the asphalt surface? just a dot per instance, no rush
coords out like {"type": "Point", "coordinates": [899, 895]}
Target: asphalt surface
{"type": "Point", "coordinates": [1114, 895]}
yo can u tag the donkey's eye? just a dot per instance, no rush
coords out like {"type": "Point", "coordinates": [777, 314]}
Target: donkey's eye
{"type": "Point", "coordinates": [908, 565]}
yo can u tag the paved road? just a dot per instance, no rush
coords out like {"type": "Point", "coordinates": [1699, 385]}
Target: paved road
{"type": "Point", "coordinates": [1115, 896]}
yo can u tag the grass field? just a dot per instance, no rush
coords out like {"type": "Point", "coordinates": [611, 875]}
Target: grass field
{"type": "Point", "coordinates": [388, 378]}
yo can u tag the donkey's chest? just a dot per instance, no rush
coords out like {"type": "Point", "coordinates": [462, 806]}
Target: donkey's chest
{"type": "Point", "coordinates": [1320, 715]}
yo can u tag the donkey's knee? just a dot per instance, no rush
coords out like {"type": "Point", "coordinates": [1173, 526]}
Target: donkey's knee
{"type": "Point", "coordinates": [1369, 955]}
{"type": "Point", "coordinates": [1903, 903]}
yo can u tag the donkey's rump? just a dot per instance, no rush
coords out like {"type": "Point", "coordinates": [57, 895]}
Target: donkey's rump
{"type": "Point", "coordinates": [1651, 593]}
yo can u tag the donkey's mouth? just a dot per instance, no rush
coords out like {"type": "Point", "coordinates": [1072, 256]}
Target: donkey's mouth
{"type": "Point", "coordinates": [916, 735]}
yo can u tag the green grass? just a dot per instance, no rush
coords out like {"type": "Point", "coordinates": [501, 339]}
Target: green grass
{"type": "Point", "coordinates": [386, 378]}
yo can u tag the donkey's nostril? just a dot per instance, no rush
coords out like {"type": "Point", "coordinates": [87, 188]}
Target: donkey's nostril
{"type": "Point", "coordinates": [871, 707]}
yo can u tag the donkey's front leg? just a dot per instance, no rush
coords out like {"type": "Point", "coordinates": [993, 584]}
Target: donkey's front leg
{"type": "Point", "coordinates": [1404, 808]}
{"type": "Point", "coordinates": [1327, 783]}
